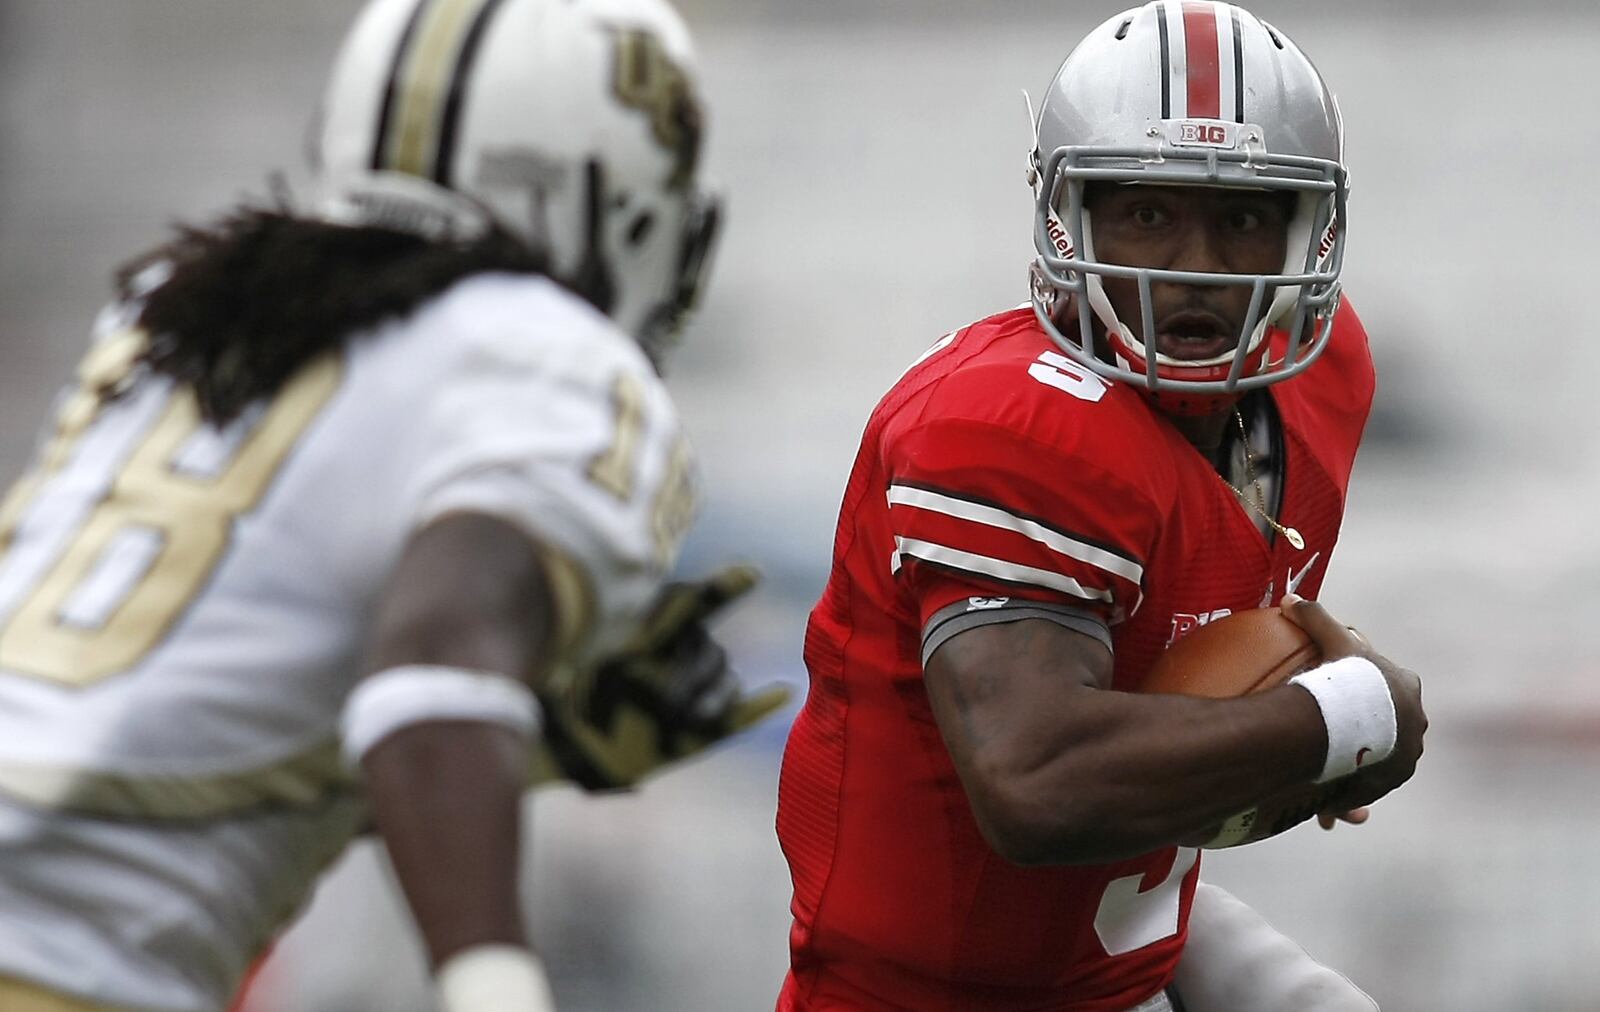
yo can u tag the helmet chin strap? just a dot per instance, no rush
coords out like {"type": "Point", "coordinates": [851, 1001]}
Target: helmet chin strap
{"type": "Point", "coordinates": [1299, 248]}
{"type": "Point", "coordinates": [1100, 303]}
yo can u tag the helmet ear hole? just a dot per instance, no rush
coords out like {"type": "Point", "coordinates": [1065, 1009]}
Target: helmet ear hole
{"type": "Point", "coordinates": [641, 228]}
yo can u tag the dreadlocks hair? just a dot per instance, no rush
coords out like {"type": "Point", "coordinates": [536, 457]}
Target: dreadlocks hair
{"type": "Point", "coordinates": [250, 299]}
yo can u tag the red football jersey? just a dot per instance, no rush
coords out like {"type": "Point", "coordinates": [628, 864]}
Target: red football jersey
{"type": "Point", "coordinates": [997, 471]}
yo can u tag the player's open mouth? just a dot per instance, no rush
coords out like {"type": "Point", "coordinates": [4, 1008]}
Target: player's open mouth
{"type": "Point", "coordinates": [1194, 335]}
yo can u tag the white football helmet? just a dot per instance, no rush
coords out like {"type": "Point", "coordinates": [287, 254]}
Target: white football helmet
{"type": "Point", "coordinates": [1189, 92]}
{"type": "Point", "coordinates": [573, 124]}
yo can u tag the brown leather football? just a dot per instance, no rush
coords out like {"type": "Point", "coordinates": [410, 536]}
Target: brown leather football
{"type": "Point", "coordinates": [1242, 653]}
{"type": "Point", "coordinates": [1248, 651]}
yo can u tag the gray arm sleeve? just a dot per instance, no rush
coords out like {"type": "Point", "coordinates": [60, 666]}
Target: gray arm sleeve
{"type": "Point", "coordinates": [971, 612]}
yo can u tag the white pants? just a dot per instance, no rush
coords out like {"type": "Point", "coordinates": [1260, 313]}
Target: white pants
{"type": "Point", "coordinates": [1160, 1003]}
{"type": "Point", "coordinates": [1236, 962]}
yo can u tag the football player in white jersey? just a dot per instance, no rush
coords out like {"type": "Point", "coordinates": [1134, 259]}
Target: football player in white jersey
{"type": "Point", "coordinates": [359, 515]}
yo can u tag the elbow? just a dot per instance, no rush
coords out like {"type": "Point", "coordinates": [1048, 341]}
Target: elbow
{"type": "Point", "coordinates": [1037, 828]}
{"type": "Point", "coordinates": [1020, 843]}
{"type": "Point", "coordinates": [1032, 831]}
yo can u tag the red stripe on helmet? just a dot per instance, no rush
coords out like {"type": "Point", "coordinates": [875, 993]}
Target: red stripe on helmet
{"type": "Point", "coordinates": [1203, 58]}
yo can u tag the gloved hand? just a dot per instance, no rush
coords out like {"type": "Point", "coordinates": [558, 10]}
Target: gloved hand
{"type": "Point", "coordinates": [667, 695]}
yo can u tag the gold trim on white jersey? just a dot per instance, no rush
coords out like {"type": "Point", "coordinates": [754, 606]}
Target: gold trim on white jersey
{"type": "Point", "coordinates": [306, 780]}
{"type": "Point", "coordinates": [21, 996]}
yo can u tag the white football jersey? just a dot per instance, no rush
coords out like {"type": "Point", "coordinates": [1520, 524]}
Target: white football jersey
{"type": "Point", "coordinates": [182, 610]}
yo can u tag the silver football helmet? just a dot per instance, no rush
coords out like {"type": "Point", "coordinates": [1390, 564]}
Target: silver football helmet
{"type": "Point", "coordinates": [573, 124]}
{"type": "Point", "coordinates": [1180, 92]}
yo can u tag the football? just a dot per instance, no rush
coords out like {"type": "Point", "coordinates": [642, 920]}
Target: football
{"type": "Point", "coordinates": [1248, 651]}
{"type": "Point", "coordinates": [1236, 655]}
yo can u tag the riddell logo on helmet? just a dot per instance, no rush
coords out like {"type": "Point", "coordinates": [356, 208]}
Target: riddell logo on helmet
{"type": "Point", "coordinates": [1328, 239]}
{"type": "Point", "coordinates": [1060, 238]}
{"type": "Point", "coordinates": [1205, 133]}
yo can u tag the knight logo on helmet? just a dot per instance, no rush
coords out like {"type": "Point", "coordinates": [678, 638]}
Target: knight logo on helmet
{"type": "Point", "coordinates": [572, 124]}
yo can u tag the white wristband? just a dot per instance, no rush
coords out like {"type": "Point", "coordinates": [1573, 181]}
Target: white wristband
{"type": "Point", "coordinates": [494, 978]}
{"type": "Point", "coordinates": [399, 697]}
{"type": "Point", "coordinates": [1356, 706]}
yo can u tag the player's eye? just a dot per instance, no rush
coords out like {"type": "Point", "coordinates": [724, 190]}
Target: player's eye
{"type": "Point", "coordinates": [1148, 215]}
{"type": "Point", "coordinates": [1240, 220]}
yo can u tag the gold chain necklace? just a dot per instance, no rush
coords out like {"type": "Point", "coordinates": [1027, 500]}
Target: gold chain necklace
{"type": "Point", "coordinates": [1259, 502]}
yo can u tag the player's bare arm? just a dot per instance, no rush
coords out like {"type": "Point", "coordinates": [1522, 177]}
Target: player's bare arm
{"type": "Point", "coordinates": [471, 598]}
{"type": "Point", "coordinates": [1060, 770]}
{"type": "Point", "coordinates": [469, 593]}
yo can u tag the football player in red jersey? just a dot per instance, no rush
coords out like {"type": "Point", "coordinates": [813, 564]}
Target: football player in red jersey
{"type": "Point", "coordinates": [979, 811]}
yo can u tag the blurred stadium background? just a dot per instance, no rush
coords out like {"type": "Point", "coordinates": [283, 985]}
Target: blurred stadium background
{"type": "Point", "coordinates": [873, 154]}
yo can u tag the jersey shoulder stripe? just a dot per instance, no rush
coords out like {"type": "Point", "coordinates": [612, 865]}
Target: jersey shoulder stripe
{"type": "Point", "coordinates": [990, 515]}
{"type": "Point", "coordinates": [994, 569]}
{"type": "Point", "coordinates": [963, 533]}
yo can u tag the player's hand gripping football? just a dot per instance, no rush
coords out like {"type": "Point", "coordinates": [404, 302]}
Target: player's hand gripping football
{"type": "Point", "coordinates": [666, 696]}
{"type": "Point", "coordinates": [1350, 795]}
